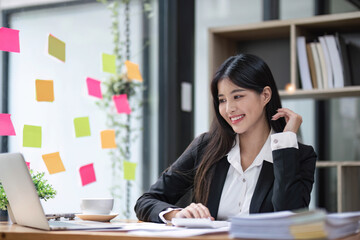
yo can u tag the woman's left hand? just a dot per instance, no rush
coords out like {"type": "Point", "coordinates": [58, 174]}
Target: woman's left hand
{"type": "Point", "coordinates": [293, 120]}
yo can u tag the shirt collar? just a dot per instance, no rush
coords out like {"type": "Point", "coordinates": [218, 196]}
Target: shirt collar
{"type": "Point", "coordinates": [265, 154]}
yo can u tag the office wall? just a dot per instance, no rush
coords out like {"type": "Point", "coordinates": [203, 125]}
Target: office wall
{"type": "Point", "coordinates": [215, 13]}
{"type": "Point", "coordinates": [85, 30]}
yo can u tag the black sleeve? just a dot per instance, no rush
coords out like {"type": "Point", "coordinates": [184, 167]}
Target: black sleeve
{"type": "Point", "coordinates": [294, 177]}
{"type": "Point", "coordinates": [171, 185]}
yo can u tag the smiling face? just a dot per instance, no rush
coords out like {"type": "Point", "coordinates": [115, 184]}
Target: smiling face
{"type": "Point", "coordinates": [243, 109]}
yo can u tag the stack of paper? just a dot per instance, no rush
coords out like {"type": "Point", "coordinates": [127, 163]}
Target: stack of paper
{"type": "Point", "coordinates": [342, 224]}
{"type": "Point", "coordinates": [290, 225]}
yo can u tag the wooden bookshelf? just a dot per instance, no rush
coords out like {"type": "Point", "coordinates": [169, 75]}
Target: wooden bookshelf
{"type": "Point", "coordinates": [275, 42]}
{"type": "Point", "coordinates": [347, 173]}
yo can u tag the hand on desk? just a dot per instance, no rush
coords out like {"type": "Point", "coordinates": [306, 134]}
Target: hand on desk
{"type": "Point", "coordinates": [194, 210]}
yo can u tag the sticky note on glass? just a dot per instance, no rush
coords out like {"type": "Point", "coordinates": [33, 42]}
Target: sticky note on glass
{"type": "Point", "coordinates": [122, 103]}
{"type": "Point", "coordinates": [56, 48]}
{"type": "Point", "coordinates": [108, 139]}
{"type": "Point", "coordinates": [82, 127]}
{"type": "Point", "coordinates": [133, 71]}
{"type": "Point", "coordinates": [28, 165]}
{"type": "Point", "coordinates": [109, 63]}
{"type": "Point", "coordinates": [53, 162]}
{"type": "Point", "coordinates": [129, 170]}
{"type": "Point", "coordinates": [44, 90]}
{"type": "Point", "coordinates": [32, 136]}
{"type": "Point", "coordinates": [6, 126]}
{"type": "Point", "coordinates": [87, 174]}
{"type": "Point", "coordinates": [94, 87]}
{"type": "Point", "coordinates": [9, 40]}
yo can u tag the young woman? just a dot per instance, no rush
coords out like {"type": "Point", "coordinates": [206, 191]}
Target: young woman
{"type": "Point", "coordinates": [249, 162]}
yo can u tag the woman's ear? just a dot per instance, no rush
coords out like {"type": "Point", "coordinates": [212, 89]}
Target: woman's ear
{"type": "Point", "coordinates": [266, 95]}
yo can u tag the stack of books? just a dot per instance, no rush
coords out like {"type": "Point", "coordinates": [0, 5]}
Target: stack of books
{"type": "Point", "coordinates": [316, 224]}
{"type": "Point", "coordinates": [329, 61]}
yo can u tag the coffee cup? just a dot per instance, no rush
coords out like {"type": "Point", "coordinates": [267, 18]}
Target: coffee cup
{"type": "Point", "coordinates": [100, 206]}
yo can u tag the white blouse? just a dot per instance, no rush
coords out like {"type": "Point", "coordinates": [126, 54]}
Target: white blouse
{"type": "Point", "coordinates": [239, 186]}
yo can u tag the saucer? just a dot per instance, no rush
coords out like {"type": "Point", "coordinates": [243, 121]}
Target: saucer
{"type": "Point", "coordinates": [97, 217]}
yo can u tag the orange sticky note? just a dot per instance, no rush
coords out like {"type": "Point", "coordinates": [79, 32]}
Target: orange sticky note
{"type": "Point", "coordinates": [9, 40]}
{"type": "Point", "coordinates": [133, 71]}
{"type": "Point", "coordinates": [108, 139]}
{"type": "Point", "coordinates": [6, 126]}
{"type": "Point", "coordinates": [87, 174]}
{"type": "Point", "coordinates": [122, 103]}
{"type": "Point", "coordinates": [44, 90]}
{"type": "Point", "coordinates": [53, 162]}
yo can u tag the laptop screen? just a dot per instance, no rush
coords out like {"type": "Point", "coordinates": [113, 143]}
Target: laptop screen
{"type": "Point", "coordinates": [21, 193]}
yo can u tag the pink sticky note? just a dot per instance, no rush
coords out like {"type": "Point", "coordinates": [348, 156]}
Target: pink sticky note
{"type": "Point", "coordinates": [87, 174]}
{"type": "Point", "coordinates": [6, 126]}
{"type": "Point", "coordinates": [94, 88]}
{"type": "Point", "coordinates": [28, 165]}
{"type": "Point", "coordinates": [122, 103]}
{"type": "Point", "coordinates": [9, 40]}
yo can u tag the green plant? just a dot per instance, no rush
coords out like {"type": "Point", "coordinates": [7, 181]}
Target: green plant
{"type": "Point", "coordinates": [125, 125]}
{"type": "Point", "coordinates": [43, 188]}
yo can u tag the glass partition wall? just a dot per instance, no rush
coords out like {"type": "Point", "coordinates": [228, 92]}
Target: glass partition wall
{"type": "Point", "coordinates": [86, 30]}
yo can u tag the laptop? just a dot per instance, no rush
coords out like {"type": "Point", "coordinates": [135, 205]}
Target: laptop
{"type": "Point", "coordinates": [24, 200]}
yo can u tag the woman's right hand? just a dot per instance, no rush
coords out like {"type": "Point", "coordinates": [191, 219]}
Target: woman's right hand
{"type": "Point", "coordinates": [194, 210]}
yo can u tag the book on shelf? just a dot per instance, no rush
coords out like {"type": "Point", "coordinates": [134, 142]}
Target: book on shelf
{"type": "Point", "coordinates": [335, 61]}
{"type": "Point", "coordinates": [303, 63]}
{"type": "Point", "coordinates": [318, 70]}
{"type": "Point", "coordinates": [322, 65]}
{"type": "Point", "coordinates": [352, 41]}
{"type": "Point", "coordinates": [354, 57]}
{"type": "Point", "coordinates": [329, 73]}
{"type": "Point", "coordinates": [343, 53]}
{"type": "Point", "coordinates": [311, 61]}
{"type": "Point", "coordinates": [314, 224]}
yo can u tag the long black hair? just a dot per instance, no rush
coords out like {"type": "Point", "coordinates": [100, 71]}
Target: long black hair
{"type": "Point", "coordinates": [246, 71]}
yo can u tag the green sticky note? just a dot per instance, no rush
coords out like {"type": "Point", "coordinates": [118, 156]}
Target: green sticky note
{"type": "Point", "coordinates": [56, 48]}
{"type": "Point", "coordinates": [82, 126]}
{"type": "Point", "coordinates": [109, 63]}
{"type": "Point", "coordinates": [32, 136]}
{"type": "Point", "coordinates": [129, 170]}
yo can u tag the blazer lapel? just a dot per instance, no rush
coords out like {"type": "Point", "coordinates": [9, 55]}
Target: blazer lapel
{"type": "Point", "coordinates": [217, 185]}
{"type": "Point", "coordinates": [263, 186]}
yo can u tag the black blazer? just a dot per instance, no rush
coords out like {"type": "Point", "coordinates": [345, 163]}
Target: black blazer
{"type": "Point", "coordinates": [284, 185]}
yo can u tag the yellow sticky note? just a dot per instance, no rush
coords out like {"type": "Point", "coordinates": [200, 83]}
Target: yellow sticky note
{"type": "Point", "coordinates": [44, 90]}
{"type": "Point", "coordinates": [108, 139]}
{"type": "Point", "coordinates": [82, 126]}
{"type": "Point", "coordinates": [129, 170]}
{"type": "Point", "coordinates": [56, 48]}
{"type": "Point", "coordinates": [133, 71]}
{"type": "Point", "coordinates": [53, 162]}
{"type": "Point", "coordinates": [109, 63]}
{"type": "Point", "coordinates": [32, 136]}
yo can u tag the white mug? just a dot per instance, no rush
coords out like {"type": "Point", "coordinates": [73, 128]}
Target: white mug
{"type": "Point", "coordinates": [101, 206]}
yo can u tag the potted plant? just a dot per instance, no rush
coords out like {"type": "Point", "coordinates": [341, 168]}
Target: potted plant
{"type": "Point", "coordinates": [43, 188]}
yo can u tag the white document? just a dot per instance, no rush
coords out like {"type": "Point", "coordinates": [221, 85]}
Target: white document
{"type": "Point", "coordinates": [181, 232]}
{"type": "Point", "coordinates": [199, 223]}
